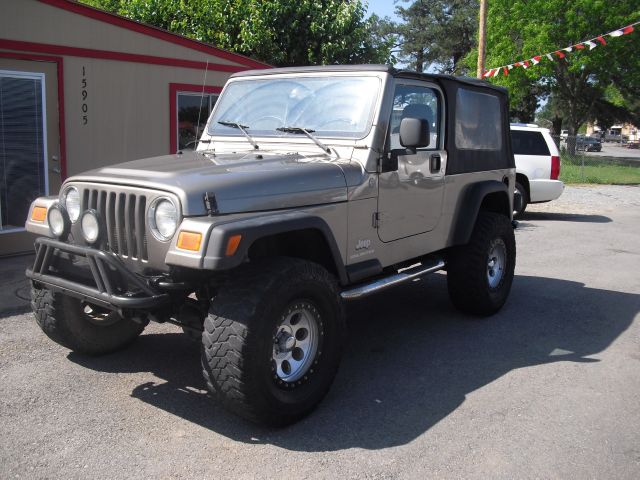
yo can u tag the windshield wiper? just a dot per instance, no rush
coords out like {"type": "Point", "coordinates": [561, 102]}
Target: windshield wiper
{"type": "Point", "coordinates": [243, 129]}
{"type": "Point", "coordinates": [308, 132]}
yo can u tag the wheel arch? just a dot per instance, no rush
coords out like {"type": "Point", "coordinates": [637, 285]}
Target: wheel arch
{"type": "Point", "coordinates": [300, 236]}
{"type": "Point", "coordinates": [523, 180]}
{"type": "Point", "coordinates": [490, 195]}
{"type": "Point", "coordinates": [308, 243]}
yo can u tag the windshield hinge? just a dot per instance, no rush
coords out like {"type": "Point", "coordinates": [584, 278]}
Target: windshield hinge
{"type": "Point", "coordinates": [210, 204]}
{"type": "Point", "coordinates": [381, 162]}
{"type": "Point", "coordinates": [376, 219]}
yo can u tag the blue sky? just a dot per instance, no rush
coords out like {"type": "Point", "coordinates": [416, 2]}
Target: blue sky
{"type": "Point", "coordinates": [384, 8]}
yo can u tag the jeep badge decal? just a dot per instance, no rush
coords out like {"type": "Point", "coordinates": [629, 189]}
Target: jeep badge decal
{"type": "Point", "coordinates": [363, 244]}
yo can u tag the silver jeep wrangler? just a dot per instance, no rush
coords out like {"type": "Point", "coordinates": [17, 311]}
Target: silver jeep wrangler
{"type": "Point", "coordinates": [310, 187]}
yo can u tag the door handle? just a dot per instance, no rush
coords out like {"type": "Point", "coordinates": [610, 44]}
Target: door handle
{"type": "Point", "coordinates": [434, 163]}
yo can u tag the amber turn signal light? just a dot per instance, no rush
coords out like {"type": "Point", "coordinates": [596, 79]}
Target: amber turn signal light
{"type": "Point", "coordinates": [232, 245]}
{"type": "Point", "coordinates": [189, 241]}
{"type": "Point", "coordinates": [39, 214]}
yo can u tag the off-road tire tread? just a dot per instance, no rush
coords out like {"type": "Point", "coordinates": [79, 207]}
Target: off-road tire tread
{"type": "Point", "coordinates": [525, 200]}
{"type": "Point", "coordinates": [227, 345]}
{"type": "Point", "coordinates": [466, 266]}
{"type": "Point", "coordinates": [51, 314]}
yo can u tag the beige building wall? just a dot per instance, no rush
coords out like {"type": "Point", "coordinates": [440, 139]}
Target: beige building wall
{"type": "Point", "coordinates": [628, 130]}
{"type": "Point", "coordinates": [127, 110]}
{"type": "Point", "coordinates": [116, 108]}
{"type": "Point", "coordinates": [34, 21]}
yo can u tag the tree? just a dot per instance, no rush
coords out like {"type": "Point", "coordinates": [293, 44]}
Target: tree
{"type": "Point", "coordinates": [438, 33]}
{"type": "Point", "coordinates": [614, 108]}
{"type": "Point", "coordinates": [550, 116]}
{"type": "Point", "coordinates": [278, 32]}
{"type": "Point", "coordinates": [519, 29]}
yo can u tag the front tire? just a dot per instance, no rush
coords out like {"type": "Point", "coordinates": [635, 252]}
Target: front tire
{"type": "Point", "coordinates": [273, 340]}
{"type": "Point", "coordinates": [480, 274]}
{"type": "Point", "coordinates": [79, 326]}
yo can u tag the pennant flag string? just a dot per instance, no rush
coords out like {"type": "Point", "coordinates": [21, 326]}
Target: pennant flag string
{"type": "Point", "coordinates": [535, 60]}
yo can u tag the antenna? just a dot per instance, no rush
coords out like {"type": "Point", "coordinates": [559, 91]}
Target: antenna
{"type": "Point", "coordinates": [204, 82]}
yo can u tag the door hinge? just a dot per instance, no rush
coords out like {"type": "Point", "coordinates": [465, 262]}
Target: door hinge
{"type": "Point", "coordinates": [376, 220]}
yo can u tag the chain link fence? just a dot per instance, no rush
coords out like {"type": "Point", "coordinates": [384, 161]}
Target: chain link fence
{"type": "Point", "coordinates": [592, 159]}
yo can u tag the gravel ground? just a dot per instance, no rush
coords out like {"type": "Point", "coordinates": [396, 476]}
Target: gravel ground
{"type": "Point", "coordinates": [548, 388]}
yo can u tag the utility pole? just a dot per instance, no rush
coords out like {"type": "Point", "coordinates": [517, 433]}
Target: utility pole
{"type": "Point", "coordinates": [481, 37]}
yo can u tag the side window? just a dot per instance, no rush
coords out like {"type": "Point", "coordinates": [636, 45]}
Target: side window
{"type": "Point", "coordinates": [412, 101]}
{"type": "Point", "coordinates": [478, 121]}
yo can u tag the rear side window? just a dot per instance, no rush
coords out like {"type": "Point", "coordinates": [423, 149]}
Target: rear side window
{"type": "Point", "coordinates": [528, 143]}
{"type": "Point", "coordinates": [478, 121]}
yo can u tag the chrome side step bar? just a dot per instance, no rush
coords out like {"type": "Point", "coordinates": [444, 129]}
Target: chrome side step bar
{"type": "Point", "coordinates": [402, 276]}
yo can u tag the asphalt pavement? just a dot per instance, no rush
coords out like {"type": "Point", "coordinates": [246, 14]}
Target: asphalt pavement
{"type": "Point", "coordinates": [547, 388]}
{"type": "Point", "coordinates": [614, 150]}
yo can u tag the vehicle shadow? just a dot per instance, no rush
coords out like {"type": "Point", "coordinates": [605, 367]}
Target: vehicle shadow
{"type": "Point", "coordinates": [14, 287]}
{"type": "Point", "coordinates": [410, 361]}
{"type": "Point", "coordinates": [566, 217]}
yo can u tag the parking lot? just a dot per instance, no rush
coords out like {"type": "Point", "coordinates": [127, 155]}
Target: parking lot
{"type": "Point", "coordinates": [614, 150]}
{"type": "Point", "coordinates": [547, 388]}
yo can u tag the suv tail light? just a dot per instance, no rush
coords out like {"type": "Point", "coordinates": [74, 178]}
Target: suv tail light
{"type": "Point", "coordinates": [555, 167]}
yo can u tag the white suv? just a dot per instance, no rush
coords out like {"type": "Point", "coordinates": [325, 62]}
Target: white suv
{"type": "Point", "coordinates": [537, 166]}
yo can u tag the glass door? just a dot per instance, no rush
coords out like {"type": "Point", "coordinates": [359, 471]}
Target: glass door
{"type": "Point", "coordinates": [23, 146]}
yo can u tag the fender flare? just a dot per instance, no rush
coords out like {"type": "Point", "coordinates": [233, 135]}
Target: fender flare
{"type": "Point", "coordinates": [253, 229]}
{"type": "Point", "coordinates": [469, 207]}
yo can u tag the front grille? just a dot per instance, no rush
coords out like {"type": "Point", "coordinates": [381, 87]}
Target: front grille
{"type": "Point", "coordinates": [124, 217]}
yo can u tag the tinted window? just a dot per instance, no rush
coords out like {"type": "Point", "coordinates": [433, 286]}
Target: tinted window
{"type": "Point", "coordinates": [528, 143]}
{"type": "Point", "coordinates": [478, 121]}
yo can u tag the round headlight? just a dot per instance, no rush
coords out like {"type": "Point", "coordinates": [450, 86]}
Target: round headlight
{"type": "Point", "coordinates": [59, 223]}
{"type": "Point", "coordinates": [90, 226]}
{"type": "Point", "coordinates": [71, 199]}
{"type": "Point", "coordinates": [163, 218]}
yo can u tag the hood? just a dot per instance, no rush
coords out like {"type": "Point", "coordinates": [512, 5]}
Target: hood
{"type": "Point", "coordinates": [241, 182]}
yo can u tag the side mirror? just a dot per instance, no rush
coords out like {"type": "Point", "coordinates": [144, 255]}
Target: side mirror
{"type": "Point", "coordinates": [414, 133]}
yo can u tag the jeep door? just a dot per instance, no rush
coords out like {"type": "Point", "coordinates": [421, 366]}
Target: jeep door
{"type": "Point", "coordinates": [411, 185]}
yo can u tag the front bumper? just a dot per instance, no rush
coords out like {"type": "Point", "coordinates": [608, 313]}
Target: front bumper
{"type": "Point", "coordinates": [110, 284]}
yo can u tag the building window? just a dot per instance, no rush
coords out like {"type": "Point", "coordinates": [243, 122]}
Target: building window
{"type": "Point", "coordinates": [193, 111]}
{"type": "Point", "coordinates": [23, 154]}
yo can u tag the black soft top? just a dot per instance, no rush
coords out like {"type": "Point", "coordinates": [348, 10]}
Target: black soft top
{"type": "Point", "coordinates": [369, 68]}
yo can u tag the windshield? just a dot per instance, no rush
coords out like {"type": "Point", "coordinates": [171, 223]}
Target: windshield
{"type": "Point", "coordinates": [329, 106]}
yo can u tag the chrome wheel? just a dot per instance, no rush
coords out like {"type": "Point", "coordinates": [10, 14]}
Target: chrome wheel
{"type": "Point", "coordinates": [496, 262]}
{"type": "Point", "coordinates": [295, 342]}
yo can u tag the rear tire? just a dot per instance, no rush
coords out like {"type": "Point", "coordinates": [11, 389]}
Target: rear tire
{"type": "Point", "coordinates": [520, 200]}
{"type": "Point", "coordinates": [273, 340]}
{"type": "Point", "coordinates": [79, 326]}
{"type": "Point", "coordinates": [480, 274]}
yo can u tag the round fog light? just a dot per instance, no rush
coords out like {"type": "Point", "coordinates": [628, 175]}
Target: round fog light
{"type": "Point", "coordinates": [90, 226]}
{"type": "Point", "coordinates": [59, 222]}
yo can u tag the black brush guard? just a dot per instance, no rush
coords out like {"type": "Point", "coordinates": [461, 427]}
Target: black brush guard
{"type": "Point", "coordinates": [107, 291]}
